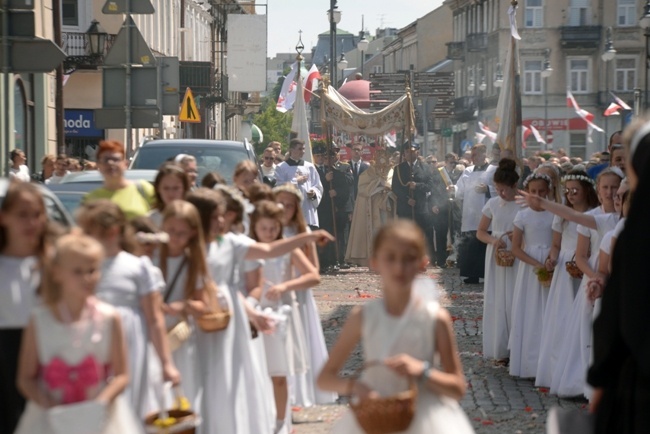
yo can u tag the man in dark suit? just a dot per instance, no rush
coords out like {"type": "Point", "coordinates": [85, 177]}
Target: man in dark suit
{"type": "Point", "coordinates": [358, 166]}
{"type": "Point", "coordinates": [412, 184]}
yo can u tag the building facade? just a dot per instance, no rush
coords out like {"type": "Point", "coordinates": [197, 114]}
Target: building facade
{"type": "Point", "coordinates": [565, 38]}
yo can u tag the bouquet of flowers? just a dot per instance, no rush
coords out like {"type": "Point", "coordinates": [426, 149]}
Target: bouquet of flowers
{"type": "Point", "coordinates": [544, 276]}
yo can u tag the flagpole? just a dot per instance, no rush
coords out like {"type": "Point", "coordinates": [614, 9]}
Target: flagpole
{"type": "Point", "coordinates": [330, 136]}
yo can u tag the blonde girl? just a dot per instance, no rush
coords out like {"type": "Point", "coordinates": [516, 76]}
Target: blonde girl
{"type": "Point", "coordinates": [551, 170]}
{"type": "Point", "coordinates": [531, 243]}
{"type": "Point", "coordinates": [74, 332]}
{"type": "Point", "coordinates": [303, 387]}
{"type": "Point", "coordinates": [23, 223]}
{"type": "Point", "coordinates": [245, 175]}
{"type": "Point", "coordinates": [241, 408]}
{"type": "Point", "coordinates": [285, 353]}
{"type": "Point", "coordinates": [183, 264]}
{"type": "Point", "coordinates": [171, 183]}
{"type": "Point", "coordinates": [130, 284]}
{"type": "Point", "coordinates": [403, 333]}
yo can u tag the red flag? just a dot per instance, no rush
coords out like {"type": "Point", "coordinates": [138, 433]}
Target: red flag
{"type": "Point", "coordinates": [621, 103]}
{"type": "Point", "coordinates": [613, 109]}
{"type": "Point", "coordinates": [312, 76]}
{"type": "Point", "coordinates": [537, 135]}
{"type": "Point", "coordinates": [525, 132]}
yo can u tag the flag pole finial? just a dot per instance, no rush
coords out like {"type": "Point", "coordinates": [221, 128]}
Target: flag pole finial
{"type": "Point", "coordinates": [300, 47]}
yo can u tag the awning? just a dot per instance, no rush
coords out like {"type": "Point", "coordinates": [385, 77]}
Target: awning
{"type": "Point", "coordinates": [256, 134]}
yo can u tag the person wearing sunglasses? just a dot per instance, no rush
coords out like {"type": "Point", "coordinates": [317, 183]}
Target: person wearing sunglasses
{"type": "Point", "coordinates": [268, 163]}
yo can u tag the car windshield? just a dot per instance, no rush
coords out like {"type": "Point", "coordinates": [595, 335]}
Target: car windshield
{"type": "Point", "coordinates": [71, 201]}
{"type": "Point", "coordinates": [208, 158]}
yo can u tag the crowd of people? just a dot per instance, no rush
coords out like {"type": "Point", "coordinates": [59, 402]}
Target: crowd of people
{"type": "Point", "coordinates": [207, 288]}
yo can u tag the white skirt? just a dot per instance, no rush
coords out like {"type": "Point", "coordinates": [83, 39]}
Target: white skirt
{"type": "Point", "coordinates": [527, 316]}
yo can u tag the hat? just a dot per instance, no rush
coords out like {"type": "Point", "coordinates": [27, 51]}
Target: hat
{"type": "Point", "coordinates": [318, 150]}
{"type": "Point", "coordinates": [411, 145]}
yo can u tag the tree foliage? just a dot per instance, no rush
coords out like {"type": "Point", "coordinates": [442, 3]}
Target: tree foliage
{"type": "Point", "coordinates": [275, 125]}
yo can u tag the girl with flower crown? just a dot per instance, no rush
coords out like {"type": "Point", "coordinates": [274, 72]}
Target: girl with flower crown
{"type": "Point", "coordinates": [531, 242]}
{"type": "Point", "coordinates": [305, 392]}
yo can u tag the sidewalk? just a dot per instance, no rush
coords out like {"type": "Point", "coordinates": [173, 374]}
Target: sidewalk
{"type": "Point", "coordinates": [494, 402]}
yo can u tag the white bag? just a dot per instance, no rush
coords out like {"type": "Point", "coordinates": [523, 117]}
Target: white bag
{"type": "Point", "coordinates": [88, 417]}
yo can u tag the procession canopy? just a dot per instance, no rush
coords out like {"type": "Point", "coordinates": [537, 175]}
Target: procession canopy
{"type": "Point", "coordinates": [343, 115]}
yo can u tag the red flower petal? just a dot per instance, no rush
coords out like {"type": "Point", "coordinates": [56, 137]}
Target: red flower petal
{"type": "Point", "coordinates": [528, 409]}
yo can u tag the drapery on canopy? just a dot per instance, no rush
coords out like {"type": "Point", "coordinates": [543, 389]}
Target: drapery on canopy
{"type": "Point", "coordinates": [343, 115]}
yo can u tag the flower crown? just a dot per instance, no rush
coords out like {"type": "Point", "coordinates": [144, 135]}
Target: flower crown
{"type": "Point", "coordinates": [237, 196]}
{"type": "Point", "coordinates": [582, 178]}
{"type": "Point", "coordinates": [535, 176]}
{"type": "Point", "coordinates": [288, 188]}
{"type": "Point", "coordinates": [151, 238]}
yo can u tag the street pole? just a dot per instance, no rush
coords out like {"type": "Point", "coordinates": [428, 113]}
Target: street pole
{"type": "Point", "coordinates": [5, 72]}
{"type": "Point", "coordinates": [127, 107]}
{"type": "Point", "coordinates": [332, 44]}
{"type": "Point", "coordinates": [58, 98]}
{"type": "Point", "coordinates": [546, 112]}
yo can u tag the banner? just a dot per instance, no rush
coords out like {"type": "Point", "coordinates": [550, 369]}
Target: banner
{"type": "Point", "coordinates": [343, 115]}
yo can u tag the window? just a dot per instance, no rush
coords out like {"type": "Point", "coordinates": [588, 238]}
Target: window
{"type": "Point", "coordinates": [70, 12]}
{"type": "Point", "coordinates": [625, 74]}
{"type": "Point", "coordinates": [532, 76]}
{"type": "Point", "coordinates": [578, 145]}
{"type": "Point", "coordinates": [579, 75]}
{"type": "Point", "coordinates": [579, 13]}
{"type": "Point", "coordinates": [626, 13]}
{"type": "Point", "coordinates": [377, 69]}
{"type": "Point", "coordinates": [534, 14]}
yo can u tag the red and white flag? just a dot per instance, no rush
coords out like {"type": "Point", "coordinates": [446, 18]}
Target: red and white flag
{"type": "Point", "coordinates": [479, 137]}
{"type": "Point", "coordinates": [620, 102]}
{"type": "Point", "coordinates": [584, 114]}
{"type": "Point", "coordinates": [489, 133]}
{"type": "Point", "coordinates": [288, 92]}
{"type": "Point", "coordinates": [612, 110]}
{"type": "Point", "coordinates": [312, 82]}
{"type": "Point", "coordinates": [525, 132]}
{"type": "Point", "coordinates": [537, 135]}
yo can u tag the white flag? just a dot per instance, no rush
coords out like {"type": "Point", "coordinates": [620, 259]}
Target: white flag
{"type": "Point", "coordinates": [299, 124]}
{"type": "Point", "coordinates": [288, 92]}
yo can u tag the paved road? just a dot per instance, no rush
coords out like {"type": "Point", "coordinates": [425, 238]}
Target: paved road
{"type": "Point", "coordinates": [495, 402]}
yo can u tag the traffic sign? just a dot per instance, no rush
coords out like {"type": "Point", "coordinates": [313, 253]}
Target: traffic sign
{"type": "Point", "coordinates": [116, 7]}
{"type": "Point", "coordinates": [141, 117]}
{"type": "Point", "coordinates": [33, 55]}
{"type": "Point", "coordinates": [140, 53]}
{"type": "Point", "coordinates": [189, 112]}
{"type": "Point", "coordinates": [466, 145]}
{"type": "Point", "coordinates": [549, 137]}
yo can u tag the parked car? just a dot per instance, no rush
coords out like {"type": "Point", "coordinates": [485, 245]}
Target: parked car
{"type": "Point", "coordinates": [211, 155]}
{"type": "Point", "coordinates": [56, 211]}
{"type": "Point", "coordinates": [75, 185]}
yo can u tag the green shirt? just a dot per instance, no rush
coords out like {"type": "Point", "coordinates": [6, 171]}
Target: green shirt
{"type": "Point", "coordinates": [135, 200]}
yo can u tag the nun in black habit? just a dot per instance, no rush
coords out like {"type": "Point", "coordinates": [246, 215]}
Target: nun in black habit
{"type": "Point", "coordinates": [621, 368]}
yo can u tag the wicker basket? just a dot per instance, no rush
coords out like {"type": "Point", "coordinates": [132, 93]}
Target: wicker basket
{"type": "Point", "coordinates": [386, 415]}
{"type": "Point", "coordinates": [218, 318]}
{"type": "Point", "coordinates": [178, 334]}
{"type": "Point", "coordinates": [572, 268]}
{"type": "Point", "coordinates": [545, 280]}
{"type": "Point", "coordinates": [186, 423]}
{"type": "Point", "coordinates": [504, 257]}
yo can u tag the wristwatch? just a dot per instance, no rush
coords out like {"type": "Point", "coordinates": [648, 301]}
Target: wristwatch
{"type": "Point", "coordinates": [426, 370]}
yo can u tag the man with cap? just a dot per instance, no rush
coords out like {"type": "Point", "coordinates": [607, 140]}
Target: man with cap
{"type": "Point", "coordinates": [336, 206]}
{"type": "Point", "coordinates": [412, 184]}
{"type": "Point", "coordinates": [303, 175]}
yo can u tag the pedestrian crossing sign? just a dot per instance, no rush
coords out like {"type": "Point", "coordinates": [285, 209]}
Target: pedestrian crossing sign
{"type": "Point", "coordinates": [189, 112]}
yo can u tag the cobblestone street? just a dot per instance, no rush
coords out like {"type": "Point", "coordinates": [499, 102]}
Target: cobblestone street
{"type": "Point", "coordinates": [495, 402]}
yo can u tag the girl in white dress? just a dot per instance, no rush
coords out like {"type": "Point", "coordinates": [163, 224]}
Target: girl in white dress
{"type": "Point", "coordinates": [404, 333]}
{"type": "Point", "coordinates": [531, 243]}
{"type": "Point", "coordinates": [131, 285]}
{"type": "Point", "coordinates": [499, 286]}
{"type": "Point", "coordinates": [23, 222]}
{"type": "Point", "coordinates": [73, 365]}
{"type": "Point", "coordinates": [171, 183]}
{"type": "Point", "coordinates": [581, 196]}
{"type": "Point", "coordinates": [285, 347]}
{"type": "Point", "coordinates": [569, 373]}
{"type": "Point", "coordinates": [231, 400]}
{"type": "Point", "coordinates": [303, 386]}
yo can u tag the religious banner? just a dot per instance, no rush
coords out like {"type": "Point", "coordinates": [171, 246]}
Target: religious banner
{"type": "Point", "coordinates": [343, 115]}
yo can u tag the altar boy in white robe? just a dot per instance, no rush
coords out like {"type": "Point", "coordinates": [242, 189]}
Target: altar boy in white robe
{"type": "Point", "coordinates": [474, 187]}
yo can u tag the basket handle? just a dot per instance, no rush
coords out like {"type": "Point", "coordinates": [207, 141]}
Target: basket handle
{"type": "Point", "coordinates": [503, 235]}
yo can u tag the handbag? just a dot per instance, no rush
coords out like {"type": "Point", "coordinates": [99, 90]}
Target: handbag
{"type": "Point", "coordinates": [87, 417]}
{"type": "Point", "coordinates": [181, 331]}
{"type": "Point", "coordinates": [218, 316]}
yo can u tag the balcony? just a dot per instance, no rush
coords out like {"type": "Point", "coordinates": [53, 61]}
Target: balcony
{"type": "Point", "coordinates": [581, 37]}
{"type": "Point", "coordinates": [456, 50]}
{"type": "Point", "coordinates": [196, 75]}
{"type": "Point", "coordinates": [79, 56]}
{"type": "Point", "coordinates": [477, 42]}
{"type": "Point", "coordinates": [464, 108]}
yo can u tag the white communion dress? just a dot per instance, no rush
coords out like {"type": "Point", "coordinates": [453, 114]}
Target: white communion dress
{"type": "Point", "coordinates": [74, 364]}
{"type": "Point", "coordinates": [414, 334]}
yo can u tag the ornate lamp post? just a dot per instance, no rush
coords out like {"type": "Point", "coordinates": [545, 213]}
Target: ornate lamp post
{"type": "Point", "coordinates": [498, 77]}
{"type": "Point", "coordinates": [362, 46]}
{"type": "Point", "coordinates": [547, 71]}
{"type": "Point", "coordinates": [608, 55]}
{"type": "Point", "coordinates": [334, 16]}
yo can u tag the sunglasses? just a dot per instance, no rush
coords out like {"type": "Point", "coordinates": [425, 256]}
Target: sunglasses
{"type": "Point", "coordinates": [571, 191]}
{"type": "Point", "coordinates": [269, 159]}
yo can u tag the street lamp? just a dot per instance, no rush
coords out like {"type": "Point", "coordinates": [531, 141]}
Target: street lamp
{"type": "Point", "coordinates": [343, 62]}
{"type": "Point", "coordinates": [547, 71]}
{"type": "Point", "coordinates": [644, 23]}
{"type": "Point", "coordinates": [96, 39]}
{"type": "Point", "coordinates": [471, 86]}
{"type": "Point", "coordinates": [608, 55]}
{"type": "Point", "coordinates": [362, 46]}
{"type": "Point", "coordinates": [334, 16]}
{"type": "Point", "coordinates": [498, 77]}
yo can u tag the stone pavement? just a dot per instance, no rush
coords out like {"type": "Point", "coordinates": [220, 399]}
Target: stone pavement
{"type": "Point", "coordinates": [495, 402]}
